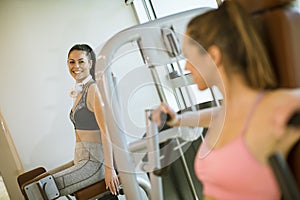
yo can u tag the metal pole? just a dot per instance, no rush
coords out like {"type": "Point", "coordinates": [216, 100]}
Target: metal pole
{"type": "Point", "coordinates": [186, 170]}
{"type": "Point", "coordinates": [153, 157]}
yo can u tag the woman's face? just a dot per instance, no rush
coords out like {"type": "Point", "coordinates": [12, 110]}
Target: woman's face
{"type": "Point", "coordinates": [79, 65]}
{"type": "Point", "coordinates": [199, 63]}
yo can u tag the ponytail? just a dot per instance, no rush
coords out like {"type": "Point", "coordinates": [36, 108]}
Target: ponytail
{"type": "Point", "coordinates": [259, 72]}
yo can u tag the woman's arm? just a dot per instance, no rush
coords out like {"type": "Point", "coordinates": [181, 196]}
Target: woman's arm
{"type": "Point", "coordinates": [200, 118]}
{"type": "Point", "coordinates": [290, 138]}
{"type": "Point", "coordinates": [111, 178]}
{"type": "Point", "coordinates": [290, 133]}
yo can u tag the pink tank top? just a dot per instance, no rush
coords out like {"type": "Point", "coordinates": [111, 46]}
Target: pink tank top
{"type": "Point", "coordinates": [232, 173]}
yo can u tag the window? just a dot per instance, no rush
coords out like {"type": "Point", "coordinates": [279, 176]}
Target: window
{"type": "Point", "coordinates": [147, 10]}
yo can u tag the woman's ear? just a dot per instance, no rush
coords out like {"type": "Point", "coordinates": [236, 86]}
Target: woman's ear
{"type": "Point", "coordinates": [90, 63]}
{"type": "Point", "coordinates": [215, 53]}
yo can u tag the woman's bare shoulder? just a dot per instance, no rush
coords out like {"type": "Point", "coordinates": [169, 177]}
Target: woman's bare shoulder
{"type": "Point", "coordinates": [94, 90]}
{"type": "Point", "coordinates": [289, 92]}
{"type": "Point", "coordinates": [93, 87]}
{"type": "Point", "coordinates": [93, 95]}
{"type": "Point", "coordinates": [283, 104]}
{"type": "Point", "coordinates": [289, 98]}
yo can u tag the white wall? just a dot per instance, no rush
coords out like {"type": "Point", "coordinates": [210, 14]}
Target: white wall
{"type": "Point", "coordinates": [34, 81]}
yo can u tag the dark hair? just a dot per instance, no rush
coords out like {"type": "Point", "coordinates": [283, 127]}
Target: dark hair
{"type": "Point", "coordinates": [231, 29]}
{"type": "Point", "coordinates": [90, 54]}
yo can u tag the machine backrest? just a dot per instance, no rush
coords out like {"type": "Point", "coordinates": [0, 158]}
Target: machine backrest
{"type": "Point", "coordinates": [279, 25]}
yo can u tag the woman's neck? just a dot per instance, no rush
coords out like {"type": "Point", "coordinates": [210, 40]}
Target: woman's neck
{"type": "Point", "coordinates": [237, 93]}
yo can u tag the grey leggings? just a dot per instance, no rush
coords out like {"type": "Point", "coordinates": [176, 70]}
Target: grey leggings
{"type": "Point", "coordinates": [86, 169]}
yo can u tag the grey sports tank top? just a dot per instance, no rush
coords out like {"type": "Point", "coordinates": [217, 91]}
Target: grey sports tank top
{"type": "Point", "coordinates": [82, 117]}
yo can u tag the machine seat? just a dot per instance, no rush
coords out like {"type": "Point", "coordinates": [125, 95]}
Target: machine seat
{"type": "Point", "coordinates": [96, 190]}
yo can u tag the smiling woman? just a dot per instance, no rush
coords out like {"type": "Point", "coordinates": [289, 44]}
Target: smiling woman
{"type": "Point", "coordinates": [93, 158]}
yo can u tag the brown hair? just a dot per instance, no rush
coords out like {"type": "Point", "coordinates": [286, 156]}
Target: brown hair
{"type": "Point", "coordinates": [230, 28]}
